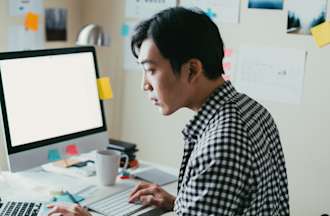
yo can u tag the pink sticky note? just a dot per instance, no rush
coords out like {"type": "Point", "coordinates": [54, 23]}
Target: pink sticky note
{"type": "Point", "coordinates": [71, 150]}
{"type": "Point", "coordinates": [228, 52]}
{"type": "Point", "coordinates": [226, 65]}
{"type": "Point", "coordinates": [226, 77]}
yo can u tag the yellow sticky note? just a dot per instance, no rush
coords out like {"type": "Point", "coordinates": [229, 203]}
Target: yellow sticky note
{"type": "Point", "coordinates": [104, 87]}
{"type": "Point", "coordinates": [321, 34]}
{"type": "Point", "coordinates": [31, 21]}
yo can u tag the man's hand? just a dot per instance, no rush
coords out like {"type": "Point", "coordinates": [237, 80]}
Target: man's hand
{"type": "Point", "coordinates": [67, 210]}
{"type": "Point", "coordinates": [152, 194]}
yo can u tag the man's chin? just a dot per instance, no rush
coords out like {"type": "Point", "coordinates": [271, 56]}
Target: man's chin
{"type": "Point", "coordinates": [165, 112]}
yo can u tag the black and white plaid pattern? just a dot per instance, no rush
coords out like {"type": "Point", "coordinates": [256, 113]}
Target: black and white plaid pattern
{"type": "Point", "coordinates": [233, 163]}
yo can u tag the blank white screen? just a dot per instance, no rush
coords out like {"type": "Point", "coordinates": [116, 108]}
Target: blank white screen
{"type": "Point", "coordinates": [50, 96]}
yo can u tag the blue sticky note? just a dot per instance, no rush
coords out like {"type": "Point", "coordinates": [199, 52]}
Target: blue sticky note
{"type": "Point", "coordinates": [53, 155]}
{"type": "Point", "coordinates": [210, 13]}
{"type": "Point", "coordinates": [124, 30]}
{"type": "Point", "coordinates": [65, 198]}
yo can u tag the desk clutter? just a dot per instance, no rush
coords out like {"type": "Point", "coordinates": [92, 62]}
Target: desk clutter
{"type": "Point", "coordinates": [127, 148]}
{"type": "Point", "coordinates": [71, 167]}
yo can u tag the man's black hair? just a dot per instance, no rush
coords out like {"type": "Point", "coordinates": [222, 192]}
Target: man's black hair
{"type": "Point", "coordinates": [181, 34]}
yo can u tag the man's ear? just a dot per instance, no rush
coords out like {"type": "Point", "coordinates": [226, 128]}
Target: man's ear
{"type": "Point", "coordinates": [195, 69]}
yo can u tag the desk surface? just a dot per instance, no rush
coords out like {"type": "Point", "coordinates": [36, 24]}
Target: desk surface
{"type": "Point", "coordinates": [37, 184]}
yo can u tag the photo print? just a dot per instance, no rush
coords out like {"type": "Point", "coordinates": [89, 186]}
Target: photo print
{"type": "Point", "coordinates": [266, 4]}
{"type": "Point", "coordinates": [304, 15]}
{"type": "Point", "coordinates": [56, 24]}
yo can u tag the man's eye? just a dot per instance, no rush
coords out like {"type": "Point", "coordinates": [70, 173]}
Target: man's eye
{"type": "Point", "coordinates": [150, 71]}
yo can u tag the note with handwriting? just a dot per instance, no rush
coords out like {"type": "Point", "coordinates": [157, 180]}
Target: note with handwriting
{"type": "Point", "coordinates": [271, 73]}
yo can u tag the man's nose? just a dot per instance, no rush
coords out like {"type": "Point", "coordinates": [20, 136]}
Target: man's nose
{"type": "Point", "coordinates": [145, 85]}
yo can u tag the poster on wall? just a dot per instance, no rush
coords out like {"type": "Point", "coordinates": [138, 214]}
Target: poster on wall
{"type": "Point", "coordinates": [304, 16]}
{"type": "Point", "coordinates": [274, 74]}
{"type": "Point", "coordinates": [266, 4]}
{"type": "Point", "coordinates": [56, 24]}
{"type": "Point", "coordinates": [220, 11]}
{"type": "Point", "coordinates": [142, 9]}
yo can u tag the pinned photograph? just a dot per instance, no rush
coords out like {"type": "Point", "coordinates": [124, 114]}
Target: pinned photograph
{"type": "Point", "coordinates": [56, 24]}
{"type": "Point", "coordinates": [304, 16]}
{"type": "Point", "coordinates": [266, 4]}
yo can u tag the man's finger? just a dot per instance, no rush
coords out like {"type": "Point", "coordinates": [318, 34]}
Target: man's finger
{"type": "Point", "coordinates": [56, 209]}
{"type": "Point", "coordinates": [138, 187]}
{"type": "Point", "coordinates": [150, 200]}
{"type": "Point", "coordinates": [59, 209]}
{"type": "Point", "coordinates": [57, 214]}
{"type": "Point", "coordinates": [148, 191]}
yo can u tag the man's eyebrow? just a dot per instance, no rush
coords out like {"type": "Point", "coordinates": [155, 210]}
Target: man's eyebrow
{"type": "Point", "coordinates": [147, 61]}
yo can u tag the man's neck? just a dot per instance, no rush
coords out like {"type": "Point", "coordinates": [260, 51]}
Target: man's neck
{"type": "Point", "coordinates": [203, 91]}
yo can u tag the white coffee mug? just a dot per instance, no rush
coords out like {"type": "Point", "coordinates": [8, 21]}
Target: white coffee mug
{"type": "Point", "coordinates": [107, 164]}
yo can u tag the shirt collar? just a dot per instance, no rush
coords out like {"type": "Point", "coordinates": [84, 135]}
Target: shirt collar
{"type": "Point", "coordinates": [197, 125]}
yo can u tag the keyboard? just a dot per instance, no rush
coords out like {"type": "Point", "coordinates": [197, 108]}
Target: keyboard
{"type": "Point", "coordinates": [13, 208]}
{"type": "Point", "coordinates": [116, 205]}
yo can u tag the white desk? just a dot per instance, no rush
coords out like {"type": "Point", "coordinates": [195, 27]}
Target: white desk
{"type": "Point", "coordinates": [37, 184]}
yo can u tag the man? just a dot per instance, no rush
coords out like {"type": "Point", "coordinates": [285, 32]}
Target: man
{"type": "Point", "coordinates": [233, 163]}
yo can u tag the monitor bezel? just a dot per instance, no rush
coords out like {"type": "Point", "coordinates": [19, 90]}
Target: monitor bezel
{"type": "Point", "coordinates": [46, 142]}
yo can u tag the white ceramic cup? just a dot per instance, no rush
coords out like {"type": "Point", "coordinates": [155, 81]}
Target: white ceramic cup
{"type": "Point", "coordinates": [107, 164]}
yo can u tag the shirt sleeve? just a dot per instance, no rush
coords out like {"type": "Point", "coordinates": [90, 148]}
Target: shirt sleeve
{"type": "Point", "coordinates": [217, 177]}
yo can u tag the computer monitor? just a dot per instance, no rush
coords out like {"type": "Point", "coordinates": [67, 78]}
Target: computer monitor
{"type": "Point", "coordinates": [49, 101]}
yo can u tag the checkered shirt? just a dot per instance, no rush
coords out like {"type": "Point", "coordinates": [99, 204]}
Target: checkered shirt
{"type": "Point", "coordinates": [233, 163]}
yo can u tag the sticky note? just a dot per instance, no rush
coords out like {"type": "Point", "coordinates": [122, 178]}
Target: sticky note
{"type": "Point", "coordinates": [104, 87]}
{"type": "Point", "coordinates": [321, 34]}
{"type": "Point", "coordinates": [53, 155]}
{"type": "Point", "coordinates": [66, 198]}
{"type": "Point", "coordinates": [124, 30]}
{"type": "Point", "coordinates": [31, 21]}
{"type": "Point", "coordinates": [226, 77]}
{"type": "Point", "coordinates": [71, 150]}
{"type": "Point", "coordinates": [228, 52]}
{"type": "Point", "coordinates": [226, 65]}
{"type": "Point", "coordinates": [210, 13]}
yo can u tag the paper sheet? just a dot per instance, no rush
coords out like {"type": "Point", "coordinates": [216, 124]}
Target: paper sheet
{"type": "Point", "coordinates": [142, 9]}
{"type": "Point", "coordinates": [225, 11]}
{"type": "Point", "coordinates": [275, 74]}
{"type": "Point", "coordinates": [21, 7]}
{"type": "Point", "coordinates": [21, 39]}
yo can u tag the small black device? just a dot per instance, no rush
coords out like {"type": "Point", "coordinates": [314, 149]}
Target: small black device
{"type": "Point", "coordinates": [126, 147]}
